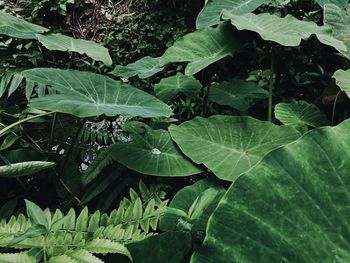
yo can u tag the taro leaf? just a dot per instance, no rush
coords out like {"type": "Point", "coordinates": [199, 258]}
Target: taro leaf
{"type": "Point", "coordinates": [170, 247]}
{"type": "Point", "coordinates": [19, 28]}
{"type": "Point", "coordinates": [24, 168]}
{"type": "Point", "coordinates": [210, 14]}
{"type": "Point", "coordinates": [152, 152]}
{"type": "Point", "coordinates": [144, 68]}
{"type": "Point", "coordinates": [230, 145]}
{"type": "Point", "coordinates": [340, 3]}
{"type": "Point", "coordinates": [339, 21]}
{"type": "Point", "coordinates": [342, 79]}
{"type": "Point", "coordinates": [300, 114]}
{"type": "Point", "coordinates": [198, 201]}
{"type": "Point", "coordinates": [287, 31]}
{"type": "Point", "coordinates": [65, 43]}
{"type": "Point", "coordinates": [202, 48]}
{"type": "Point", "coordinates": [86, 94]}
{"type": "Point", "coordinates": [237, 94]}
{"type": "Point", "coordinates": [169, 87]}
{"type": "Point", "coordinates": [292, 207]}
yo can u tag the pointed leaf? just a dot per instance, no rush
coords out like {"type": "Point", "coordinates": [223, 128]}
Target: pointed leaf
{"type": "Point", "coordinates": [36, 215]}
{"type": "Point", "coordinates": [152, 152]}
{"type": "Point", "coordinates": [19, 28]}
{"type": "Point", "coordinates": [169, 87]}
{"type": "Point", "coordinates": [237, 94]}
{"type": "Point", "coordinates": [211, 13]}
{"type": "Point", "coordinates": [286, 31]}
{"type": "Point", "coordinates": [342, 79]}
{"type": "Point", "coordinates": [202, 48]}
{"type": "Point", "coordinates": [86, 94]}
{"type": "Point", "coordinates": [145, 67]}
{"type": "Point", "coordinates": [186, 197]}
{"type": "Point", "coordinates": [292, 207]}
{"type": "Point", "coordinates": [65, 43]}
{"type": "Point", "coordinates": [16, 258]}
{"type": "Point", "coordinates": [230, 146]}
{"type": "Point", "coordinates": [25, 168]}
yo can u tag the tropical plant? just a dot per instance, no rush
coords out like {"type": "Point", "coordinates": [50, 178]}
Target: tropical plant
{"type": "Point", "coordinates": [241, 123]}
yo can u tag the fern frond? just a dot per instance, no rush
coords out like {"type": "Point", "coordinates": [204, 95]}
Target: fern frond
{"type": "Point", "coordinates": [16, 258]}
{"type": "Point", "coordinates": [77, 235]}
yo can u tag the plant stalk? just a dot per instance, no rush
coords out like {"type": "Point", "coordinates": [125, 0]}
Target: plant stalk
{"type": "Point", "coordinates": [271, 84]}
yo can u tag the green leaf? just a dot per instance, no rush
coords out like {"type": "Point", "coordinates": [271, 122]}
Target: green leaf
{"type": "Point", "coordinates": [292, 207]}
{"type": "Point", "coordinates": [144, 68]}
{"type": "Point", "coordinates": [238, 94]}
{"type": "Point", "coordinates": [342, 79]}
{"type": "Point", "coordinates": [19, 28]}
{"type": "Point", "coordinates": [202, 197]}
{"type": "Point", "coordinates": [152, 152]}
{"type": "Point", "coordinates": [170, 247]}
{"type": "Point", "coordinates": [339, 21]}
{"type": "Point", "coordinates": [286, 31]}
{"type": "Point", "coordinates": [36, 215]}
{"type": "Point", "coordinates": [340, 3]}
{"type": "Point", "coordinates": [202, 48]}
{"type": "Point", "coordinates": [300, 114]}
{"type": "Point", "coordinates": [24, 168]}
{"type": "Point", "coordinates": [86, 94]}
{"type": "Point", "coordinates": [16, 258]}
{"type": "Point", "coordinates": [33, 231]}
{"type": "Point", "coordinates": [230, 145]}
{"type": "Point", "coordinates": [65, 43]}
{"type": "Point", "coordinates": [169, 87]}
{"type": "Point", "coordinates": [210, 14]}
{"type": "Point", "coordinates": [103, 246]}
{"type": "Point", "coordinates": [83, 256]}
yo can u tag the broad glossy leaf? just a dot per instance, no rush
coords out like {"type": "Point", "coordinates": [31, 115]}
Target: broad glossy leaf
{"type": "Point", "coordinates": [237, 94]}
{"type": "Point", "coordinates": [198, 201]}
{"type": "Point", "coordinates": [342, 78]}
{"type": "Point", "coordinates": [230, 145]}
{"type": "Point", "coordinates": [340, 3]}
{"type": "Point", "coordinates": [202, 48]}
{"type": "Point", "coordinates": [65, 43]}
{"type": "Point", "coordinates": [152, 152]}
{"type": "Point", "coordinates": [19, 28]}
{"type": "Point", "coordinates": [339, 21]}
{"type": "Point", "coordinates": [24, 168]}
{"type": "Point", "coordinates": [287, 31]}
{"type": "Point", "coordinates": [300, 114]}
{"type": "Point", "coordinates": [210, 14]}
{"type": "Point", "coordinates": [292, 207]}
{"type": "Point", "coordinates": [144, 68]}
{"type": "Point", "coordinates": [169, 87]}
{"type": "Point", "coordinates": [169, 247]}
{"type": "Point", "coordinates": [86, 94]}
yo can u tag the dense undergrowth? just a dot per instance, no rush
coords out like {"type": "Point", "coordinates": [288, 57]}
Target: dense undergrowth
{"type": "Point", "coordinates": [174, 131]}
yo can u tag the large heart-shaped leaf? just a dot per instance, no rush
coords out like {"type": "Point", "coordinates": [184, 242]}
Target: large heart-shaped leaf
{"type": "Point", "coordinates": [339, 21]}
{"type": "Point", "coordinates": [65, 43]}
{"type": "Point", "coordinates": [16, 27]}
{"type": "Point", "coordinates": [169, 87]}
{"type": "Point", "coordinates": [86, 94]}
{"type": "Point", "coordinates": [152, 152]}
{"type": "Point", "coordinates": [237, 94]}
{"type": "Point", "coordinates": [342, 78]}
{"type": "Point", "coordinates": [292, 207]}
{"type": "Point", "coordinates": [210, 14]}
{"type": "Point", "coordinates": [144, 68]}
{"type": "Point", "coordinates": [230, 145]}
{"type": "Point", "coordinates": [340, 3]}
{"type": "Point", "coordinates": [300, 114]}
{"type": "Point", "coordinates": [202, 48]}
{"type": "Point", "coordinates": [198, 201]}
{"type": "Point", "coordinates": [287, 31]}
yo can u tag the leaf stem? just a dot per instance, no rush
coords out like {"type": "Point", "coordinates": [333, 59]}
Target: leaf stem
{"type": "Point", "coordinates": [271, 84]}
{"type": "Point", "coordinates": [7, 128]}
